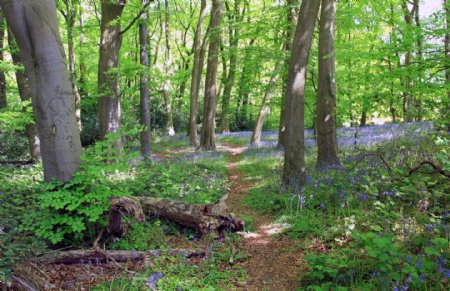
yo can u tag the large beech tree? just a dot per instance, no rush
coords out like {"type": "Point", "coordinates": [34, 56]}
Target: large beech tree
{"type": "Point", "coordinates": [209, 110]}
{"type": "Point", "coordinates": [294, 170]}
{"type": "Point", "coordinates": [35, 27]}
{"type": "Point", "coordinates": [326, 95]}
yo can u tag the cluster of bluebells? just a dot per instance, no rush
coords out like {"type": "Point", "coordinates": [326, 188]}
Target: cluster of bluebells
{"type": "Point", "coordinates": [154, 277]}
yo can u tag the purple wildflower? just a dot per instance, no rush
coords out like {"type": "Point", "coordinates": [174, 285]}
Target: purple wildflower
{"type": "Point", "coordinates": [322, 206]}
{"type": "Point", "coordinates": [422, 277]}
{"type": "Point", "coordinates": [404, 288]}
{"type": "Point", "coordinates": [362, 197]}
{"type": "Point", "coordinates": [408, 259]}
{"type": "Point", "coordinates": [154, 277]}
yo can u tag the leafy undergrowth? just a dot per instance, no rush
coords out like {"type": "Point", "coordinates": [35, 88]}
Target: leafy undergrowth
{"type": "Point", "coordinates": [37, 217]}
{"type": "Point", "coordinates": [369, 226]}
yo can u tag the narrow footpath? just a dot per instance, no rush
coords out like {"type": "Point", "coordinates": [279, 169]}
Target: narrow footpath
{"type": "Point", "coordinates": [274, 262]}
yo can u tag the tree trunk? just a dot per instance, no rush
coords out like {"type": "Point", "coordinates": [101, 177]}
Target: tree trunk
{"type": "Point", "coordinates": [108, 76]}
{"type": "Point", "coordinates": [144, 90]}
{"type": "Point", "coordinates": [234, 18]}
{"type": "Point", "coordinates": [168, 69]}
{"type": "Point", "coordinates": [241, 118]}
{"type": "Point", "coordinates": [408, 82]}
{"type": "Point", "coordinates": [196, 75]}
{"type": "Point", "coordinates": [208, 140]}
{"type": "Point", "coordinates": [24, 93]}
{"type": "Point", "coordinates": [35, 26]}
{"type": "Point", "coordinates": [447, 62]}
{"type": "Point", "coordinates": [291, 22]}
{"type": "Point", "coordinates": [326, 96]}
{"type": "Point", "coordinates": [363, 120]}
{"type": "Point", "coordinates": [204, 218]}
{"type": "Point", "coordinates": [294, 170]}
{"type": "Point", "coordinates": [3, 101]}
{"type": "Point", "coordinates": [265, 107]}
{"type": "Point", "coordinates": [421, 73]}
{"type": "Point", "coordinates": [70, 17]}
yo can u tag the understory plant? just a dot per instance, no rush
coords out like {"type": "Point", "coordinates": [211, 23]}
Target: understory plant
{"type": "Point", "coordinates": [76, 210]}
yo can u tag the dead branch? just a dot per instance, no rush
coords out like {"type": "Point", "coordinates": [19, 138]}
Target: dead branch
{"type": "Point", "coordinates": [433, 165]}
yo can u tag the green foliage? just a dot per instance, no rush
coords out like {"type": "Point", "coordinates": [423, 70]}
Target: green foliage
{"type": "Point", "coordinates": [77, 208]}
{"type": "Point", "coordinates": [141, 237]}
{"type": "Point", "coordinates": [194, 181]}
{"type": "Point", "coordinates": [16, 200]}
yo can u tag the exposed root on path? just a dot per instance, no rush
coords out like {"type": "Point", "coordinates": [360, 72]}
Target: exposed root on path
{"type": "Point", "coordinates": [274, 261]}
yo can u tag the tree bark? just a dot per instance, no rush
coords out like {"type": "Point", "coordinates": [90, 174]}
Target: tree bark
{"type": "Point", "coordinates": [144, 90]}
{"type": "Point", "coordinates": [24, 93]}
{"type": "Point", "coordinates": [447, 61]}
{"type": "Point", "coordinates": [168, 69]}
{"type": "Point", "coordinates": [294, 170]}
{"type": "Point", "coordinates": [408, 82]}
{"type": "Point", "coordinates": [265, 107]}
{"type": "Point", "coordinates": [204, 218]}
{"type": "Point", "coordinates": [35, 26]}
{"type": "Point", "coordinates": [108, 76]}
{"type": "Point", "coordinates": [208, 140]}
{"type": "Point", "coordinates": [291, 22]}
{"type": "Point", "coordinates": [326, 96]}
{"type": "Point", "coordinates": [70, 15]}
{"type": "Point", "coordinates": [3, 101]}
{"type": "Point", "coordinates": [196, 75]}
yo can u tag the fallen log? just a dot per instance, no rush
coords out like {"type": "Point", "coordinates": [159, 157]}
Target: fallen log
{"type": "Point", "coordinates": [203, 218]}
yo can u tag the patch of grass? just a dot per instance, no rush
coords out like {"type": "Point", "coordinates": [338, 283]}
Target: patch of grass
{"type": "Point", "coordinates": [234, 140]}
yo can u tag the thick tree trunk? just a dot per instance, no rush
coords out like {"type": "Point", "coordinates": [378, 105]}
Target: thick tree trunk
{"type": "Point", "coordinates": [144, 90]}
{"type": "Point", "coordinates": [3, 101]}
{"type": "Point", "coordinates": [34, 24]}
{"type": "Point", "coordinates": [265, 108]}
{"type": "Point", "coordinates": [204, 218]}
{"type": "Point", "coordinates": [294, 170]}
{"type": "Point", "coordinates": [168, 70]}
{"type": "Point", "coordinates": [108, 76]}
{"type": "Point", "coordinates": [326, 95]}
{"type": "Point", "coordinates": [196, 75]}
{"type": "Point", "coordinates": [208, 140]}
{"type": "Point", "coordinates": [24, 92]}
{"type": "Point", "coordinates": [291, 22]}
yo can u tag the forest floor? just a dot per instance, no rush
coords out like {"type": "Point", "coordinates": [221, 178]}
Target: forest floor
{"type": "Point", "coordinates": [274, 262]}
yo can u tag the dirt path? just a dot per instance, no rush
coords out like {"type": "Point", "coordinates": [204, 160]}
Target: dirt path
{"type": "Point", "coordinates": [274, 262]}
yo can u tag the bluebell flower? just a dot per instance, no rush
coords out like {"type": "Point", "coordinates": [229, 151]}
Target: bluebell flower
{"type": "Point", "coordinates": [408, 259]}
{"type": "Point", "coordinates": [422, 277]}
{"type": "Point", "coordinates": [156, 253]}
{"type": "Point", "coordinates": [362, 197]}
{"type": "Point", "coordinates": [404, 288]}
{"type": "Point", "coordinates": [322, 206]}
{"type": "Point", "coordinates": [418, 264]}
{"type": "Point", "coordinates": [409, 278]}
{"type": "Point", "coordinates": [154, 277]}
{"type": "Point", "coordinates": [430, 227]}
{"type": "Point", "coordinates": [447, 274]}
{"type": "Point", "coordinates": [388, 193]}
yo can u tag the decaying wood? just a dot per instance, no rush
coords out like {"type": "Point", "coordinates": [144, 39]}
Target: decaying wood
{"type": "Point", "coordinates": [203, 218]}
